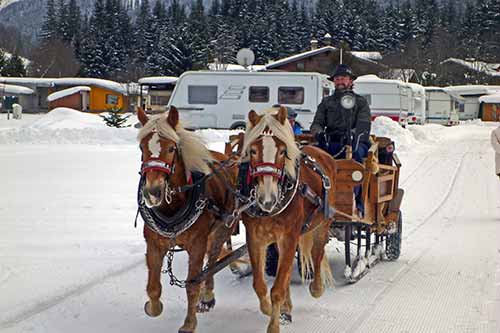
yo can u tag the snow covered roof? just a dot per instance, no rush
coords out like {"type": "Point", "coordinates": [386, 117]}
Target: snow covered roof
{"type": "Point", "coordinates": [371, 78]}
{"type": "Point", "coordinates": [14, 90]}
{"type": "Point", "coordinates": [495, 98]}
{"type": "Point", "coordinates": [66, 92]}
{"type": "Point", "coordinates": [471, 90]}
{"type": "Point", "coordinates": [358, 54]}
{"type": "Point", "coordinates": [415, 87]}
{"type": "Point", "coordinates": [490, 69]}
{"type": "Point", "coordinates": [40, 82]}
{"type": "Point", "coordinates": [105, 84]}
{"type": "Point", "coordinates": [367, 55]}
{"type": "Point", "coordinates": [234, 67]}
{"type": "Point", "coordinates": [66, 81]}
{"type": "Point", "coordinates": [158, 80]}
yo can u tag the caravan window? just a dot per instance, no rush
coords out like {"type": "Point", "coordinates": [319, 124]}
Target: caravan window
{"type": "Point", "coordinates": [290, 95]}
{"type": "Point", "coordinates": [258, 94]}
{"type": "Point", "coordinates": [202, 94]}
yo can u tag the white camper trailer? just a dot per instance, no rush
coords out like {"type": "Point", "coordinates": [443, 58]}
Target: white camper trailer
{"type": "Point", "coordinates": [471, 93]}
{"type": "Point", "coordinates": [208, 99]}
{"type": "Point", "coordinates": [443, 106]}
{"type": "Point", "coordinates": [416, 113]}
{"type": "Point", "coordinates": [390, 98]}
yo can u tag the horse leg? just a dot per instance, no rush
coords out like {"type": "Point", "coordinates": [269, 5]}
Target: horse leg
{"type": "Point", "coordinates": [196, 255]}
{"type": "Point", "coordinates": [154, 261]}
{"type": "Point", "coordinates": [256, 251]}
{"type": "Point", "coordinates": [286, 308]}
{"type": "Point", "coordinates": [322, 273]}
{"type": "Point", "coordinates": [207, 297]}
{"type": "Point", "coordinates": [287, 248]}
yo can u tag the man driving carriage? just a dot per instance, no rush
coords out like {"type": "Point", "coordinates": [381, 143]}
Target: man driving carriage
{"type": "Point", "coordinates": [334, 126]}
{"type": "Point", "coordinates": [337, 124]}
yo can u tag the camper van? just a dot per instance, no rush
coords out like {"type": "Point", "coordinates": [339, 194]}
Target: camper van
{"type": "Point", "coordinates": [443, 106]}
{"type": "Point", "coordinates": [211, 99]}
{"type": "Point", "coordinates": [416, 113]}
{"type": "Point", "coordinates": [390, 98]}
{"type": "Point", "coordinates": [471, 93]}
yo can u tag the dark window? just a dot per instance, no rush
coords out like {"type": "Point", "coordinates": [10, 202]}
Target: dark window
{"type": "Point", "coordinates": [112, 99]}
{"type": "Point", "coordinates": [290, 95]}
{"type": "Point", "coordinates": [258, 94]}
{"type": "Point", "coordinates": [202, 94]}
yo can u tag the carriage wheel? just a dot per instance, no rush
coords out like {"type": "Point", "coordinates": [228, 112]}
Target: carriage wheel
{"type": "Point", "coordinates": [272, 257]}
{"type": "Point", "coordinates": [393, 241]}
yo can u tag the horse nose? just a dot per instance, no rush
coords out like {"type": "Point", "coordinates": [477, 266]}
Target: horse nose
{"type": "Point", "coordinates": [155, 191]}
{"type": "Point", "coordinates": [267, 204]}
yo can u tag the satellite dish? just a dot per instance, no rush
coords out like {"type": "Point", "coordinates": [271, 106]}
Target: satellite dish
{"type": "Point", "coordinates": [245, 57]}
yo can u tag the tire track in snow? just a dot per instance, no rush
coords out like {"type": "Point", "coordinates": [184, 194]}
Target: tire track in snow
{"type": "Point", "coordinates": [58, 299]}
{"type": "Point", "coordinates": [445, 197]}
{"type": "Point", "coordinates": [403, 182]}
{"type": "Point", "coordinates": [415, 259]}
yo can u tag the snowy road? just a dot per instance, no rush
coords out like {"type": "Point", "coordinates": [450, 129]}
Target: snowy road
{"type": "Point", "coordinates": [70, 259]}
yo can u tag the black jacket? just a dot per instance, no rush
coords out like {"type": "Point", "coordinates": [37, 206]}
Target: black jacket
{"type": "Point", "coordinates": [333, 119]}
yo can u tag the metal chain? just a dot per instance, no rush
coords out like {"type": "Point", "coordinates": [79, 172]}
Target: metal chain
{"type": "Point", "coordinates": [173, 279]}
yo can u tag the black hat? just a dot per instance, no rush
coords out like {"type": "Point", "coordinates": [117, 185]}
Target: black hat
{"type": "Point", "coordinates": [344, 70]}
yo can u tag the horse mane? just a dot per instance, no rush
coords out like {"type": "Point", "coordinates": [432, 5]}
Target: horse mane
{"type": "Point", "coordinates": [284, 132]}
{"type": "Point", "coordinates": [193, 150]}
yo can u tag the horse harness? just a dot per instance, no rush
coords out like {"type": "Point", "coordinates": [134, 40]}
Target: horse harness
{"type": "Point", "coordinates": [288, 188]}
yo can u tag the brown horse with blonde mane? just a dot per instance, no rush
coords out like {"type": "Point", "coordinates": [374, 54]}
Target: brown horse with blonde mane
{"type": "Point", "coordinates": [180, 196]}
{"type": "Point", "coordinates": [279, 172]}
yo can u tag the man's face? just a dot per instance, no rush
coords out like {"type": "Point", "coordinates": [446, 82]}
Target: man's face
{"type": "Point", "coordinates": [342, 82]}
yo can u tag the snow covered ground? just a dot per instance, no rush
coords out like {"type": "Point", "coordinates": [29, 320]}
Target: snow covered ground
{"type": "Point", "coordinates": [71, 260]}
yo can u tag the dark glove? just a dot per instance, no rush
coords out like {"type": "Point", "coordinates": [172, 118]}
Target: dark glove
{"type": "Point", "coordinates": [320, 138]}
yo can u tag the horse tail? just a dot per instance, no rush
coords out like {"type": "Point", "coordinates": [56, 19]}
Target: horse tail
{"type": "Point", "coordinates": [306, 262]}
{"type": "Point", "coordinates": [326, 273]}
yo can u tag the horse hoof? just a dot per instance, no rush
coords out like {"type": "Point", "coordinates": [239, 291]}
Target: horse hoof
{"type": "Point", "coordinates": [316, 293]}
{"type": "Point", "coordinates": [285, 319]}
{"type": "Point", "coordinates": [204, 306]}
{"type": "Point", "coordinates": [148, 308]}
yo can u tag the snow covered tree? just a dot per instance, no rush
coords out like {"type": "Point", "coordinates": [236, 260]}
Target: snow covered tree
{"type": "Point", "coordinates": [115, 118]}
{"type": "Point", "coordinates": [142, 36]}
{"type": "Point", "coordinates": [74, 22]}
{"type": "Point", "coordinates": [50, 24]}
{"type": "Point", "coordinates": [198, 34]}
{"type": "Point", "coordinates": [14, 67]}
{"type": "Point", "coordinates": [3, 60]}
{"type": "Point", "coordinates": [63, 24]}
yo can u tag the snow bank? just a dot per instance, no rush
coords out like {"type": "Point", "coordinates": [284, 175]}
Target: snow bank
{"type": "Point", "coordinates": [385, 126]}
{"type": "Point", "coordinates": [64, 125]}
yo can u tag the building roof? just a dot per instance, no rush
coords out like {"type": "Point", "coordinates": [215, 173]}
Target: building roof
{"type": "Point", "coordinates": [9, 89]}
{"type": "Point", "coordinates": [495, 98]}
{"type": "Point", "coordinates": [363, 56]}
{"type": "Point", "coordinates": [66, 81]}
{"type": "Point", "coordinates": [490, 69]}
{"type": "Point", "coordinates": [158, 80]}
{"type": "Point", "coordinates": [66, 92]}
{"type": "Point", "coordinates": [474, 90]}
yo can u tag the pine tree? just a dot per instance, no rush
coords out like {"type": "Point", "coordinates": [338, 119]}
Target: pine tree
{"type": "Point", "coordinates": [74, 21]}
{"type": "Point", "coordinates": [63, 24]}
{"type": "Point", "coordinates": [14, 66]}
{"type": "Point", "coordinates": [3, 61]}
{"type": "Point", "coordinates": [143, 43]}
{"type": "Point", "coordinates": [50, 24]}
{"type": "Point", "coordinates": [198, 35]}
{"type": "Point", "coordinates": [115, 118]}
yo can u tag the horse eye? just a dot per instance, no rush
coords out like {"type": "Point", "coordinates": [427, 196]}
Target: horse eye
{"type": "Point", "coordinates": [253, 152]}
{"type": "Point", "coordinates": [171, 149]}
{"type": "Point", "coordinates": [283, 152]}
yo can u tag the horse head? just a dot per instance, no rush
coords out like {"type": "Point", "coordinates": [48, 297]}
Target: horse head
{"type": "Point", "coordinates": [271, 151]}
{"type": "Point", "coordinates": [169, 154]}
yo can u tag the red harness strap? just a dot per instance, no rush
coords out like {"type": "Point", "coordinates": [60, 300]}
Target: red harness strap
{"type": "Point", "coordinates": [157, 165]}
